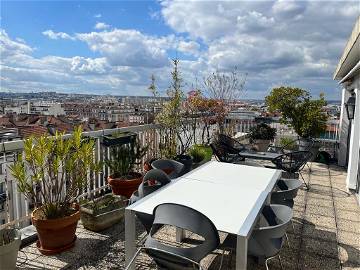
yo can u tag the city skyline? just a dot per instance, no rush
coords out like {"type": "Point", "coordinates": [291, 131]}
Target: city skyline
{"type": "Point", "coordinates": [114, 47]}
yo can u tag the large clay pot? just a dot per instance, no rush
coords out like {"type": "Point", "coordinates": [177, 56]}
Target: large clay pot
{"type": "Point", "coordinates": [55, 235]}
{"type": "Point", "coordinates": [262, 145]}
{"type": "Point", "coordinates": [125, 187]}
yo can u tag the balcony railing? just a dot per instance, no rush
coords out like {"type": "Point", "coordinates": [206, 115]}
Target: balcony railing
{"type": "Point", "coordinates": [17, 207]}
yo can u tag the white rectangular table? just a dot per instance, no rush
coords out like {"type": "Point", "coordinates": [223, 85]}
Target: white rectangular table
{"type": "Point", "coordinates": [238, 175]}
{"type": "Point", "coordinates": [232, 210]}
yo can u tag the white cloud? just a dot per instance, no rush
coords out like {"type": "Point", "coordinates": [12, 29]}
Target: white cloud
{"type": "Point", "coordinates": [10, 47]}
{"type": "Point", "coordinates": [189, 47]}
{"type": "Point", "coordinates": [101, 26]}
{"type": "Point", "coordinates": [129, 47]}
{"type": "Point", "coordinates": [57, 35]}
{"type": "Point", "coordinates": [97, 15]}
{"type": "Point", "coordinates": [82, 65]}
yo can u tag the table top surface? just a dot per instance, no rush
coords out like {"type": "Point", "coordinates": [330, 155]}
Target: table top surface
{"type": "Point", "coordinates": [237, 175]}
{"type": "Point", "coordinates": [231, 210]}
{"type": "Point", "coordinates": [215, 190]}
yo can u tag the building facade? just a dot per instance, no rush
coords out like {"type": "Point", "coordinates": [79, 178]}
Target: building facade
{"type": "Point", "coordinates": [348, 75]}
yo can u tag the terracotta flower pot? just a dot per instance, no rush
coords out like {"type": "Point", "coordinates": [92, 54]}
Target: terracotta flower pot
{"type": "Point", "coordinates": [125, 187]}
{"type": "Point", "coordinates": [55, 235]}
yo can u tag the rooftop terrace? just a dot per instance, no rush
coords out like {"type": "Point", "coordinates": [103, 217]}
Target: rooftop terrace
{"type": "Point", "coordinates": [326, 236]}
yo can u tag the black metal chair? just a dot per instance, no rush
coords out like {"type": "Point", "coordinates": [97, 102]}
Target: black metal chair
{"type": "Point", "coordinates": [179, 258]}
{"type": "Point", "coordinates": [225, 154]}
{"type": "Point", "coordinates": [231, 143]}
{"type": "Point", "coordinates": [158, 179]}
{"type": "Point", "coordinates": [172, 168]}
{"type": "Point", "coordinates": [293, 162]}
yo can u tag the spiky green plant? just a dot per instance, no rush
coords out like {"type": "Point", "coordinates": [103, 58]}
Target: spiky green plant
{"type": "Point", "coordinates": [124, 157]}
{"type": "Point", "coordinates": [54, 171]}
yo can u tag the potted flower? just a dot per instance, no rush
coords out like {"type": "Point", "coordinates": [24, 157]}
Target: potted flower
{"type": "Point", "coordinates": [10, 241]}
{"type": "Point", "coordinates": [123, 179]}
{"type": "Point", "coordinates": [101, 213]}
{"type": "Point", "coordinates": [261, 135]}
{"type": "Point", "coordinates": [58, 169]}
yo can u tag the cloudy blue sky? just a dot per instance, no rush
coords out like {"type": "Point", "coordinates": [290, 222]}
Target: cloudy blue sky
{"type": "Point", "coordinates": [113, 47]}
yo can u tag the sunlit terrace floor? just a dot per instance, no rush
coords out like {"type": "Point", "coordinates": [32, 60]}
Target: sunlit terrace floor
{"type": "Point", "coordinates": [326, 236]}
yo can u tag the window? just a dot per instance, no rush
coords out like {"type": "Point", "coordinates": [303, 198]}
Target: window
{"type": "Point", "coordinates": [3, 221]}
{"type": "Point", "coordinates": [2, 206]}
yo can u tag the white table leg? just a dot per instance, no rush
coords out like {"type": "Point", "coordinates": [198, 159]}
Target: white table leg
{"type": "Point", "coordinates": [241, 253]}
{"type": "Point", "coordinates": [129, 237]}
{"type": "Point", "coordinates": [180, 234]}
{"type": "Point", "coordinates": [268, 199]}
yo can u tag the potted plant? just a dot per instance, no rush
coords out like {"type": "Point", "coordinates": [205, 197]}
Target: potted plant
{"type": "Point", "coordinates": [305, 114]}
{"type": "Point", "coordinates": [10, 240]}
{"type": "Point", "coordinates": [198, 155]}
{"type": "Point", "coordinates": [101, 213]}
{"type": "Point", "coordinates": [261, 135]}
{"type": "Point", "coordinates": [53, 172]}
{"type": "Point", "coordinates": [119, 138]}
{"type": "Point", "coordinates": [123, 179]}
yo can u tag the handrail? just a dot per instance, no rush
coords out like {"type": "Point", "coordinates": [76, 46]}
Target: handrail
{"type": "Point", "coordinates": [19, 144]}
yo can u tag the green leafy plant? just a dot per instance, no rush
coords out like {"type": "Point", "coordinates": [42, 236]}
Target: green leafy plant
{"type": "Point", "coordinates": [59, 168]}
{"type": "Point", "coordinates": [124, 157]}
{"type": "Point", "coordinates": [304, 114]}
{"type": "Point", "coordinates": [262, 132]}
{"type": "Point", "coordinates": [288, 143]}
{"type": "Point", "coordinates": [197, 153]}
{"type": "Point", "coordinates": [170, 117]}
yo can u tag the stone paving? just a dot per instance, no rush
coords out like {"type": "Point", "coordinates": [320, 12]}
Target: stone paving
{"type": "Point", "coordinates": [326, 236]}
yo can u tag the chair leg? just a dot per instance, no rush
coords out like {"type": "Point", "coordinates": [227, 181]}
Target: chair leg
{"type": "Point", "coordinates": [281, 266]}
{"type": "Point", "coordinates": [306, 185]}
{"type": "Point", "coordinates": [133, 258]}
{"type": "Point", "coordinates": [309, 167]}
{"type": "Point", "coordinates": [293, 227]}
{"type": "Point", "coordinates": [222, 259]}
{"type": "Point", "coordinates": [287, 239]}
{"type": "Point", "coordinates": [266, 265]}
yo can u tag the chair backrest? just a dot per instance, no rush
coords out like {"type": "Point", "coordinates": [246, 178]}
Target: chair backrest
{"type": "Point", "coordinates": [286, 190]}
{"type": "Point", "coordinates": [230, 142]}
{"type": "Point", "coordinates": [158, 179]}
{"type": "Point", "coordinates": [158, 176]}
{"type": "Point", "coordinates": [224, 154]}
{"type": "Point", "coordinates": [186, 218]}
{"type": "Point", "coordinates": [269, 239]}
{"type": "Point", "coordinates": [282, 215]}
{"type": "Point", "coordinates": [171, 167]}
{"type": "Point", "coordinates": [220, 152]}
{"type": "Point", "coordinates": [292, 162]}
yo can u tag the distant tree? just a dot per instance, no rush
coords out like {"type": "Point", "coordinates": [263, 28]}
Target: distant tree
{"type": "Point", "coordinates": [152, 86]}
{"type": "Point", "coordinates": [298, 109]}
{"type": "Point", "coordinates": [224, 88]}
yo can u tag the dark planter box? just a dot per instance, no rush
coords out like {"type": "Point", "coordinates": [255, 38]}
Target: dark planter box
{"type": "Point", "coordinates": [119, 139]}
